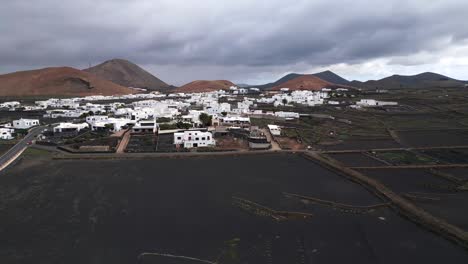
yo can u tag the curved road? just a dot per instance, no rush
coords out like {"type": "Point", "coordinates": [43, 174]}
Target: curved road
{"type": "Point", "coordinates": [16, 149]}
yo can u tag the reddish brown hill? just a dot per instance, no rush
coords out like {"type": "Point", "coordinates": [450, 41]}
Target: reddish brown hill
{"type": "Point", "coordinates": [58, 81]}
{"type": "Point", "coordinates": [128, 74]}
{"type": "Point", "coordinates": [305, 82]}
{"type": "Point", "coordinates": [204, 86]}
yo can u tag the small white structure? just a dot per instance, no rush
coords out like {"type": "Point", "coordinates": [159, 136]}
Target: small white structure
{"type": "Point", "coordinates": [70, 127]}
{"type": "Point", "coordinates": [194, 139]}
{"type": "Point", "coordinates": [287, 115]}
{"type": "Point", "coordinates": [6, 133]}
{"type": "Point", "coordinates": [372, 102]}
{"type": "Point", "coordinates": [235, 120]}
{"type": "Point", "coordinates": [25, 123]}
{"type": "Point", "coordinates": [274, 130]}
{"type": "Point", "coordinates": [12, 104]}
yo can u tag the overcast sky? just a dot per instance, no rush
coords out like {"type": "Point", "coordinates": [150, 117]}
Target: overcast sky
{"type": "Point", "coordinates": [240, 40]}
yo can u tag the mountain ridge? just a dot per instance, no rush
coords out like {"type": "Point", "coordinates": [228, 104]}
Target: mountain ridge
{"type": "Point", "coordinates": [327, 76]}
{"type": "Point", "coordinates": [421, 80]}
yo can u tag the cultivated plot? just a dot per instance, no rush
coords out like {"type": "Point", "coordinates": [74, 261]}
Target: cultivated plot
{"type": "Point", "coordinates": [277, 208]}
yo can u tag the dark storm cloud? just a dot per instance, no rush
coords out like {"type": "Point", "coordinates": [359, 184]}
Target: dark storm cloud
{"type": "Point", "coordinates": [237, 36]}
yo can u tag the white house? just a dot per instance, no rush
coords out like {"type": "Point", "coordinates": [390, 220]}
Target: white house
{"type": "Point", "coordinates": [215, 108]}
{"type": "Point", "coordinates": [6, 133]}
{"type": "Point", "coordinates": [194, 139]}
{"type": "Point", "coordinates": [145, 126]}
{"type": "Point", "coordinates": [70, 127]}
{"type": "Point", "coordinates": [274, 130]}
{"type": "Point", "coordinates": [137, 114]}
{"type": "Point", "coordinates": [116, 123]}
{"type": "Point", "coordinates": [25, 123]}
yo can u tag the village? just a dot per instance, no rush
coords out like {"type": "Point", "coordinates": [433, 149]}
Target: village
{"type": "Point", "coordinates": [238, 119]}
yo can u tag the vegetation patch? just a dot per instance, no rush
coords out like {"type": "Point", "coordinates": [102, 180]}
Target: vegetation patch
{"type": "Point", "coordinates": [404, 158]}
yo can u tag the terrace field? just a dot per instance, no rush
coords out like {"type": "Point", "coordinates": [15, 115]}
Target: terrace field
{"type": "Point", "coordinates": [228, 209]}
{"type": "Point", "coordinates": [434, 138]}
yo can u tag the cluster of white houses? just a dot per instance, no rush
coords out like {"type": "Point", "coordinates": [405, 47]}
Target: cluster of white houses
{"type": "Point", "coordinates": [233, 107]}
{"type": "Point", "coordinates": [7, 130]}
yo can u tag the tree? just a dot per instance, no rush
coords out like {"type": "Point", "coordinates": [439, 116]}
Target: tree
{"type": "Point", "coordinates": [285, 101]}
{"type": "Point", "coordinates": [164, 120]}
{"type": "Point", "coordinates": [224, 113]}
{"type": "Point", "coordinates": [183, 125]}
{"type": "Point", "coordinates": [109, 127]}
{"type": "Point", "coordinates": [205, 119]}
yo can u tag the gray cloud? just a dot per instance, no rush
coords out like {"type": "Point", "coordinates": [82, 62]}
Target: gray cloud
{"type": "Point", "coordinates": [238, 40]}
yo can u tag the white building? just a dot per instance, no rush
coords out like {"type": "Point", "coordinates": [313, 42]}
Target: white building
{"type": "Point", "coordinates": [70, 127]}
{"type": "Point", "coordinates": [25, 123]}
{"type": "Point", "coordinates": [100, 122]}
{"type": "Point", "coordinates": [56, 113]}
{"type": "Point", "coordinates": [114, 124]}
{"type": "Point", "coordinates": [287, 115]}
{"type": "Point", "coordinates": [6, 133]}
{"type": "Point", "coordinates": [194, 139]}
{"type": "Point", "coordinates": [96, 118]}
{"type": "Point", "coordinates": [145, 126]}
{"type": "Point", "coordinates": [215, 108]}
{"type": "Point", "coordinates": [373, 102]}
{"type": "Point", "coordinates": [11, 104]}
{"type": "Point", "coordinates": [235, 120]}
{"type": "Point", "coordinates": [274, 130]}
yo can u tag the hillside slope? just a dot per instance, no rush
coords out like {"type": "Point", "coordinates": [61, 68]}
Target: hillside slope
{"type": "Point", "coordinates": [328, 76]}
{"type": "Point", "coordinates": [57, 81]}
{"type": "Point", "coordinates": [204, 86]}
{"type": "Point", "coordinates": [305, 82]}
{"type": "Point", "coordinates": [127, 74]}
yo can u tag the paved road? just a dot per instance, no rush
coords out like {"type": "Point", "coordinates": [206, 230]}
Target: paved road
{"type": "Point", "coordinates": [11, 153]}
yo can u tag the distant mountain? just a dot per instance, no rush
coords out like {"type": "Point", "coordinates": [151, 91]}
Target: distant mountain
{"type": "Point", "coordinates": [422, 80]}
{"type": "Point", "coordinates": [127, 74]}
{"type": "Point", "coordinates": [304, 82]}
{"type": "Point", "coordinates": [57, 81]}
{"type": "Point", "coordinates": [332, 77]}
{"type": "Point", "coordinates": [204, 86]}
{"type": "Point", "coordinates": [328, 76]}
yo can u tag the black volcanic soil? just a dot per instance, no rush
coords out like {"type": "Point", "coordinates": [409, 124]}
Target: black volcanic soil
{"type": "Point", "coordinates": [110, 211]}
{"type": "Point", "coordinates": [449, 203]}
